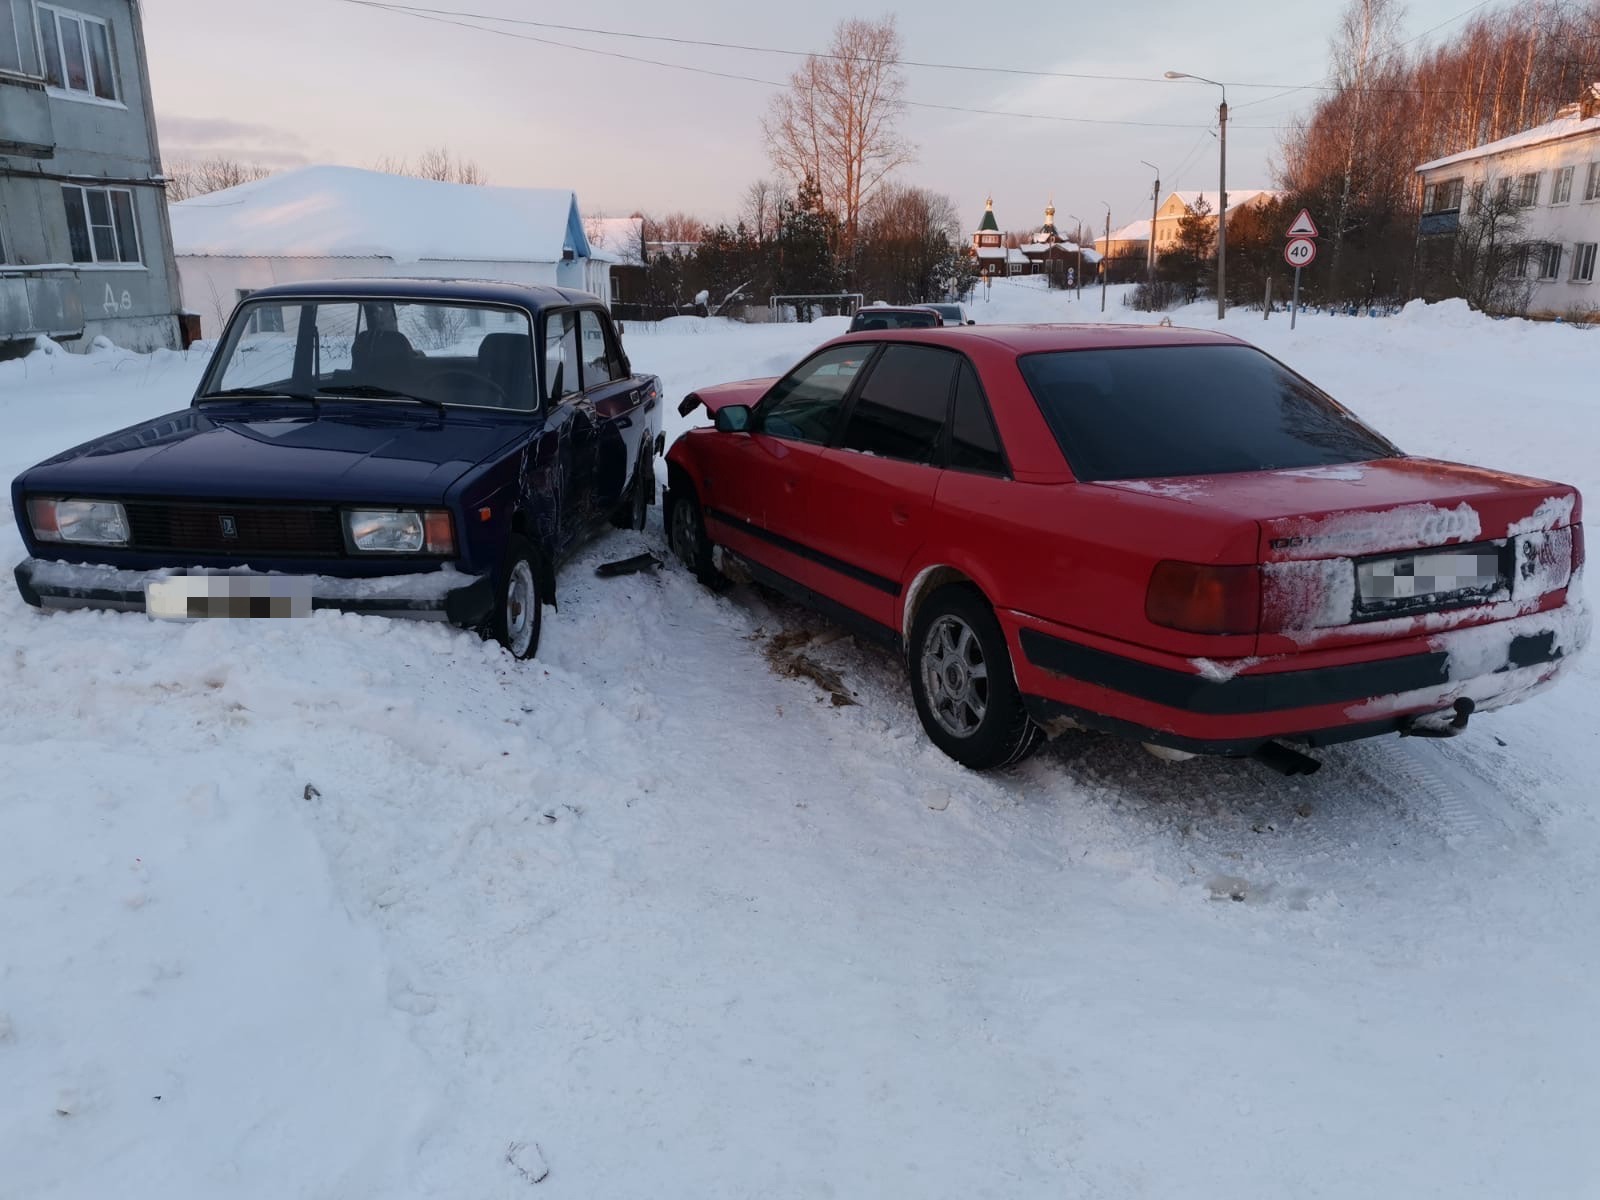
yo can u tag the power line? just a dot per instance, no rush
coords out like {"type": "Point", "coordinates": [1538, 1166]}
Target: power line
{"type": "Point", "coordinates": [435, 16]}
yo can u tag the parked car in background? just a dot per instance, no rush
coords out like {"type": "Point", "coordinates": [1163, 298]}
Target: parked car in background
{"type": "Point", "coordinates": [1161, 533]}
{"type": "Point", "coordinates": [419, 448]}
{"type": "Point", "coordinates": [884, 316]}
{"type": "Point", "coordinates": [952, 314]}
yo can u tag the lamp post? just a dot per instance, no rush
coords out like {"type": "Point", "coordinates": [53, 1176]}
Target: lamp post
{"type": "Point", "coordinates": [1155, 201]}
{"type": "Point", "coordinates": [1077, 237]}
{"type": "Point", "coordinates": [1222, 190]}
{"type": "Point", "coordinates": [1105, 258]}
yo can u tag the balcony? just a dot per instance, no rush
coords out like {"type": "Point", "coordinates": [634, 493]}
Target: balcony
{"type": "Point", "coordinates": [43, 302]}
{"type": "Point", "coordinates": [1439, 222]}
{"type": "Point", "coordinates": [25, 127]}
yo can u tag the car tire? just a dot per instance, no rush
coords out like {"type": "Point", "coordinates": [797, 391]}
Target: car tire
{"type": "Point", "coordinates": [961, 679]}
{"type": "Point", "coordinates": [519, 601]}
{"type": "Point", "coordinates": [635, 506]}
{"type": "Point", "coordinates": [687, 537]}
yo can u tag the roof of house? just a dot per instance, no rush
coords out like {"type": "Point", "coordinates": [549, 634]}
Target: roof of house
{"type": "Point", "coordinates": [346, 212]}
{"type": "Point", "coordinates": [1236, 197]}
{"type": "Point", "coordinates": [1551, 131]}
{"type": "Point", "coordinates": [1134, 231]}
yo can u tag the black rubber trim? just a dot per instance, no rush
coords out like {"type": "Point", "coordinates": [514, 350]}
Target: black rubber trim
{"type": "Point", "coordinates": [1275, 692]}
{"type": "Point", "coordinates": [840, 614]}
{"type": "Point", "coordinates": [849, 570]}
{"type": "Point", "coordinates": [24, 577]}
{"type": "Point", "coordinates": [1044, 710]}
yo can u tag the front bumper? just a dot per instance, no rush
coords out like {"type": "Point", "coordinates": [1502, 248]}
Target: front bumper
{"type": "Point", "coordinates": [441, 595]}
{"type": "Point", "coordinates": [1295, 698]}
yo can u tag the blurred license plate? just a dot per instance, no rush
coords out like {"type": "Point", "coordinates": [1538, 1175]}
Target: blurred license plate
{"type": "Point", "coordinates": [1460, 575]}
{"type": "Point", "coordinates": [186, 597]}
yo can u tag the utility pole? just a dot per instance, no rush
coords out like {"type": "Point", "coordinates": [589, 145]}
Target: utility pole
{"type": "Point", "coordinates": [1155, 203]}
{"type": "Point", "coordinates": [1105, 258]}
{"type": "Point", "coordinates": [1222, 190]}
{"type": "Point", "coordinates": [1077, 237]}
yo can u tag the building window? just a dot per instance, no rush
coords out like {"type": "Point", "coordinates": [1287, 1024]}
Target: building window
{"type": "Point", "coordinates": [1583, 262]}
{"type": "Point", "coordinates": [76, 50]}
{"type": "Point", "coordinates": [101, 224]}
{"type": "Point", "coordinates": [1547, 258]}
{"type": "Point", "coordinates": [1561, 186]}
{"type": "Point", "coordinates": [1591, 190]}
{"type": "Point", "coordinates": [1528, 190]}
{"type": "Point", "coordinates": [1444, 196]}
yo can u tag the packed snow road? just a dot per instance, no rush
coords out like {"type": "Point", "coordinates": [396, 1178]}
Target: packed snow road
{"type": "Point", "coordinates": [349, 907]}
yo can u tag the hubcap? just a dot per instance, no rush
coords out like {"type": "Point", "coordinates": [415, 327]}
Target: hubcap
{"type": "Point", "coordinates": [955, 676]}
{"type": "Point", "coordinates": [521, 596]}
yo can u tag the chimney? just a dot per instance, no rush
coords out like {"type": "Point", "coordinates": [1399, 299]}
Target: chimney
{"type": "Point", "coordinates": [1589, 102]}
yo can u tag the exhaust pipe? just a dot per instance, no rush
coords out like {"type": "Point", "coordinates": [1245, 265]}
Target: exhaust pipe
{"type": "Point", "coordinates": [1285, 760]}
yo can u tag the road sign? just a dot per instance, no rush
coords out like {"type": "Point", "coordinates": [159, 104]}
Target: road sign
{"type": "Point", "coordinates": [1299, 252]}
{"type": "Point", "coordinates": [1303, 226]}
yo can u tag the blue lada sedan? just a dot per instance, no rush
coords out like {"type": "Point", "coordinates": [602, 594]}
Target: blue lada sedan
{"type": "Point", "coordinates": [423, 448]}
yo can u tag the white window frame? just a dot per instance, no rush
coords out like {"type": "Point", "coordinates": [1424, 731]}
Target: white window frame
{"type": "Point", "coordinates": [64, 90]}
{"type": "Point", "coordinates": [1561, 185]}
{"type": "Point", "coordinates": [1591, 187]}
{"type": "Point", "coordinates": [1547, 261]}
{"type": "Point", "coordinates": [1527, 195]}
{"type": "Point", "coordinates": [94, 251]}
{"type": "Point", "coordinates": [1583, 260]}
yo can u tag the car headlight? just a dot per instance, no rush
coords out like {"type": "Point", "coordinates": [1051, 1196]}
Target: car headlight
{"type": "Point", "coordinates": [84, 522]}
{"type": "Point", "coordinates": [404, 531]}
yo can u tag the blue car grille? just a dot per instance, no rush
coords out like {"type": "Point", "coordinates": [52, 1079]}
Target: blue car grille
{"type": "Point", "coordinates": [239, 529]}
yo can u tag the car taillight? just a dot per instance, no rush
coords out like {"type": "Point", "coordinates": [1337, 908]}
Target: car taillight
{"type": "Point", "coordinates": [1203, 598]}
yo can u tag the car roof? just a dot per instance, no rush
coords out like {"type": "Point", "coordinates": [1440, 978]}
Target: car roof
{"type": "Point", "coordinates": [1035, 339]}
{"type": "Point", "coordinates": [534, 297]}
{"type": "Point", "coordinates": [892, 308]}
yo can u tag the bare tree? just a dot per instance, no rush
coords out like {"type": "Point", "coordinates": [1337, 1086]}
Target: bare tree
{"type": "Point", "coordinates": [759, 209]}
{"type": "Point", "coordinates": [436, 163]}
{"type": "Point", "coordinates": [1368, 34]}
{"type": "Point", "coordinates": [838, 122]}
{"type": "Point", "coordinates": [188, 178]}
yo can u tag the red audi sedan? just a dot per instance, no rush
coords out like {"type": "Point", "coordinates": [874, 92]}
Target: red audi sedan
{"type": "Point", "coordinates": [1156, 532]}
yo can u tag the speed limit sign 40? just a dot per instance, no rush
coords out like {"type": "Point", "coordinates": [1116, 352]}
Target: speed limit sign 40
{"type": "Point", "coordinates": [1300, 252]}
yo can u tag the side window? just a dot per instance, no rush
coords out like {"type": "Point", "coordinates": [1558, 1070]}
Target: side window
{"type": "Point", "coordinates": [902, 405]}
{"type": "Point", "coordinates": [601, 361]}
{"type": "Point", "coordinates": [805, 404]}
{"type": "Point", "coordinates": [561, 355]}
{"type": "Point", "coordinates": [974, 445]}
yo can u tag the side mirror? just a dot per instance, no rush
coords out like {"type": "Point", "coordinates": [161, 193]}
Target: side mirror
{"type": "Point", "coordinates": [735, 418]}
{"type": "Point", "coordinates": [970, 321]}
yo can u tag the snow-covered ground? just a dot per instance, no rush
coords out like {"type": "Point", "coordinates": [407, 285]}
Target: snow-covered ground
{"type": "Point", "coordinates": [356, 908]}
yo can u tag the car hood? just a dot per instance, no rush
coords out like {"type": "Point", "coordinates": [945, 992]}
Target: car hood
{"type": "Point", "coordinates": [1370, 508]}
{"type": "Point", "coordinates": [720, 395]}
{"type": "Point", "coordinates": [337, 455]}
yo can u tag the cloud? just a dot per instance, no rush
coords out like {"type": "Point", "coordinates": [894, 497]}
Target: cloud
{"type": "Point", "coordinates": [205, 137]}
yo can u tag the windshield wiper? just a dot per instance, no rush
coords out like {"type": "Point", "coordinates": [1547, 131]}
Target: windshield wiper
{"type": "Point", "coordinates": [373, 391]}
{"type": "Point", "coordinates": [269, 393]}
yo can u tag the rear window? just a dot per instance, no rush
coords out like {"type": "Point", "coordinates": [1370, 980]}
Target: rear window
{"type": "Point", "coordinates": [1149, 412]}
{"type": "Point", "coordinates": [868, 319]}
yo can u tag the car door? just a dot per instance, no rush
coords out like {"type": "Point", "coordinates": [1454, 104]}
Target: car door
{"type": "Point", "coordinates": [571, 415]}
{"type": "Point", "coordinates": [756, 489]}
{"type": "Point", "coordinates": [619, 403]}
{"type": "Point", "coordinates": [870, 497]}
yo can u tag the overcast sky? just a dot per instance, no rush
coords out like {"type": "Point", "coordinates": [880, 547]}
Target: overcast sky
{"type": "Point", "coordinates": [327, 81]}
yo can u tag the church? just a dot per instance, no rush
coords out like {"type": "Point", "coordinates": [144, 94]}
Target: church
{"type": "Point", "coordinates": [1045, 251]}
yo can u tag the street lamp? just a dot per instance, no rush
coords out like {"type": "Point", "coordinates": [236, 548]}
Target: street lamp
{"type": "Point", "coordinates": [1077, 237]}
{"type": "Point", "coordinates": [1155, 201]}
{"type": "Point", "coordinates": [1104, 258]}
{"type": "Point", "coordinates": [1222, 190]}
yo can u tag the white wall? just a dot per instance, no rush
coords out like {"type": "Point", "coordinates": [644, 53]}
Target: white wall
{"type": "Point", "coordinates": [1574, 222]}
{"type": "Point", "coordinates": [211, 285]}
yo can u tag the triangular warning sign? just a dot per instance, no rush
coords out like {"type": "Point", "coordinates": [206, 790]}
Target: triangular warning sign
{"type": "Point", "coordinates": [1303, 226]}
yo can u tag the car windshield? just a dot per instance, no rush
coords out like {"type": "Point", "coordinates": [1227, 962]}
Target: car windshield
{"type": "Point", "coordinates": [950, 312]}
{"type": "Point", "coordinates": [383, 350]}
{"type": "Point", "coordinates": [869, 318]}
{"type": "Point", "coordinates": [1151, 412]}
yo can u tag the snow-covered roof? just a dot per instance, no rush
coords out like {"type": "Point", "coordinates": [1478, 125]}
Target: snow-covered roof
{"type": "Point", "coordinates": [1134, 231]}
{"type": "Point", "coordinates": [1562, 127]}
{"type": "Point", "coordinates": [996, 252]}
{"type": "Point", "coordinates": [346, 212]}
{"type": "Point", "coordinates": [1236, 197]}
{"type": "Point", "coordinates": [616, 240]}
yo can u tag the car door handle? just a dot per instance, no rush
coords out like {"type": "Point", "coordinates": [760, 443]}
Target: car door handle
{"type": "Point", "coordinates": [790, 484]}
{"type": "Point", "coordinates": [899, 516]}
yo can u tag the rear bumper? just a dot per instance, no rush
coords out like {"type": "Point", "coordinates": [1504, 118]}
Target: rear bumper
{"type": "Point", "coordinates": [444, 595]}
{"type": "Point", "coordinates": [1295, 698]}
